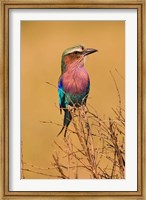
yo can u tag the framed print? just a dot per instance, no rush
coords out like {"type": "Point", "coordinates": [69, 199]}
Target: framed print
{"type": "Point", "coordinates": [72, 82]}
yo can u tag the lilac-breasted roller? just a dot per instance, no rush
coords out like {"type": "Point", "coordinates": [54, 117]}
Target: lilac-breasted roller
{"type": "Point", "coordinates": [74, 82]}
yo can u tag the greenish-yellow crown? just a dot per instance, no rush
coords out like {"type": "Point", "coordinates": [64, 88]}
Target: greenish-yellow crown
{"type": "Point", "coordinates": [79, 48]}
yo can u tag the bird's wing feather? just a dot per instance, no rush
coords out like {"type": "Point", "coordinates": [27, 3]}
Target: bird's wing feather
{"type": "Point", "coordinates": [87, 92]}
{"type": "Point", "coordinates": [61, 94]}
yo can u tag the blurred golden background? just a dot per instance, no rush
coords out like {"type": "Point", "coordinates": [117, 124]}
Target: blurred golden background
{"type": "Point", "coordinates": [42, 44]}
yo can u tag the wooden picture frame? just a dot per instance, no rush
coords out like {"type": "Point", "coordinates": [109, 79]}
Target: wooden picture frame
{"type": "Point", "coordinates": [5, 7]}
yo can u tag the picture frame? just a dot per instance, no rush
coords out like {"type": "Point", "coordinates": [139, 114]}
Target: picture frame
{"type": "Point", "coordinates": [6, 6]}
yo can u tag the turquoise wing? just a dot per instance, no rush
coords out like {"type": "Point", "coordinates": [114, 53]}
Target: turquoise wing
{"type": "Point", "coordinates": [61, 94]}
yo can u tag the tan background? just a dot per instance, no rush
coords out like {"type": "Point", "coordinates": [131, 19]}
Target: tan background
{"type": "Point", "coordinates": [42, 44]}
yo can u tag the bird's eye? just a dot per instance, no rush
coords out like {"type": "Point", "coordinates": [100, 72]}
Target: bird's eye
{"type": "Point", "coordinates": [76, 52]}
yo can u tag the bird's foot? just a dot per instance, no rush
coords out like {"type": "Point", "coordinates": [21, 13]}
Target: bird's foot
{"type": "Point", "coordinates": [84, 108]}
{"type": "Point", "coordinates": [83, 111]}
{"type": "Point", "coordinates": [71, 109]}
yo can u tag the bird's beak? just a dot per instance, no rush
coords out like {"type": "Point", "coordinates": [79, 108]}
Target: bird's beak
{"type": "Point", "coordinates": [89, 51]}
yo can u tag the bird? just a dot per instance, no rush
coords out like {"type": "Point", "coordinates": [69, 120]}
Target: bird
{"type": "Point", "coordinates": [74, 81]}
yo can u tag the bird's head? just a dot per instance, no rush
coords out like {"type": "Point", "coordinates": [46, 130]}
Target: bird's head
{"type": "Point", "coordinates": [74, 56]}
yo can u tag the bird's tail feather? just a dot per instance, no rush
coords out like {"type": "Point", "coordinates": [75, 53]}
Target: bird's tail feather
{"type": "Point", "coordinates": [67, 120]}
{"type": "Point", "coordinates": [61, 130]}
